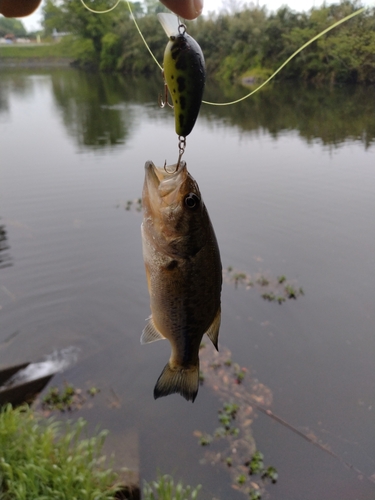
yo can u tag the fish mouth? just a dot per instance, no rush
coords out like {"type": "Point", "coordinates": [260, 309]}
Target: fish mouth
{"type": "Point", "coordinates": [162, 184]}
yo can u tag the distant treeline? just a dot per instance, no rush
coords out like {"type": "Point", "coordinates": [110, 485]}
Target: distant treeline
{"type": "Point", "coordinates": [249, 41]}
{"type": "Point", "coordinates": [13, 27]}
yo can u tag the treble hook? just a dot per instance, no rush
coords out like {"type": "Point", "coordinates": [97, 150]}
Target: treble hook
{"type": "Point", "coordinates": [169, 171]}
{"type": "Point", "coordinates": [164, 102]}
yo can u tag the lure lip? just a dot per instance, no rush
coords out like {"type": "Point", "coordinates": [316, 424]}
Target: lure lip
{"type": "Point", "coordinates": [170, 23]}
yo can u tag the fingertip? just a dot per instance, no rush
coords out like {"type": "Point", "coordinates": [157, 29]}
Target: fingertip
{"type": "Point", "coordinates": [18, 8]}
{"type": "Point", "coordinates": [187, 9]}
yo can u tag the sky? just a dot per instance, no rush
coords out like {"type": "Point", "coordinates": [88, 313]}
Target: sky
{"type": "Point", "coordinates": [32, 22]}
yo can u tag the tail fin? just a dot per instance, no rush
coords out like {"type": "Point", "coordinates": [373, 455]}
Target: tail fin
{"type": "Point", "coordinates": [181, 380]}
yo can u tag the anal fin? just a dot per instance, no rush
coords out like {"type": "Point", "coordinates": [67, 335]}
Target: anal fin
{"type": "Point", "coordinates": [151, 333]}
{"type": "Point", "coordinates": [213, 331]}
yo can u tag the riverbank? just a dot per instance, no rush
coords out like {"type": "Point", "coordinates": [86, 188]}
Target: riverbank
{"type": "Point", "coordinates": [36, 55]}
{"type": "Point", "coordinates": [12, 62]}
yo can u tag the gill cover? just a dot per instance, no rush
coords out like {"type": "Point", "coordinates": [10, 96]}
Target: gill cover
{"type": "Point", "coordinates": [184, 74]}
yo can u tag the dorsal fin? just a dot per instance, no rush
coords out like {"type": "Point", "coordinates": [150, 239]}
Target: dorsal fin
{"type": "Point", "coordinates": [151, 333]}
{"type": "Point", "coordinates": [213, 331]}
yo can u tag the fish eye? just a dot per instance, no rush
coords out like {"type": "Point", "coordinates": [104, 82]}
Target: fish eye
{"type": "Point", "coordinates": [192, 200]}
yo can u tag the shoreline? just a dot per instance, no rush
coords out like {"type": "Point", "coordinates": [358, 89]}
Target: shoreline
{"type": "Point", "coordinates": [13, 62]}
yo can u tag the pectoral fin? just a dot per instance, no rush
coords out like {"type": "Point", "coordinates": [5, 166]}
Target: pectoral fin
{"type": "Point", "coordinates": [213, 331]}
{"type": "Point", "coordinates": [150, 333]}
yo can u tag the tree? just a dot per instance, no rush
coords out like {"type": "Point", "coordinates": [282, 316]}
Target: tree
{"type": "Point", "coordinates": [11, 26]}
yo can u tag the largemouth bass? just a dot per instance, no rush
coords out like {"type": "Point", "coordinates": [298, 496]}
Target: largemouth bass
{"type": "Point", "coordinates": [184, 274]}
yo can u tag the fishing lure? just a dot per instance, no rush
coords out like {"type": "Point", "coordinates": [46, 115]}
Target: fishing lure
{"type": "Point", "coordinates": [184, 74]}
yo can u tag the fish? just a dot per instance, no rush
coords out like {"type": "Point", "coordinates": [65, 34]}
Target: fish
{"type": "Point", "coordinates": [184, 274]}
{"type": "Point", "coordinates": [184, 74]}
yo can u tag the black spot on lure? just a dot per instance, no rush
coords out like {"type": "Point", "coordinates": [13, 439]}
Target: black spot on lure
{"type": "Point", "coordinates": [184, 74]}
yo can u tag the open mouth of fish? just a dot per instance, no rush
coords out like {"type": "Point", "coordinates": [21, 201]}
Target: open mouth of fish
{"type": "Point", "coordinates": [164, 183]}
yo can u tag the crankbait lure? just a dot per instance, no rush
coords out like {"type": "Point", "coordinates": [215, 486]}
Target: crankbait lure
{"type": "Point", "coordinates": [184, 74]}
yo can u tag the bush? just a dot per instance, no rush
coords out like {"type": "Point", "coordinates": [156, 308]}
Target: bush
{"type": "Point", "coordinates": [164, 488]}
{"type": "Point", "coordinates": [84, 52]}
{"type": "Point", "coordinates": [49, 460]}
{"type": "Point", "coordinates": [110, 53]}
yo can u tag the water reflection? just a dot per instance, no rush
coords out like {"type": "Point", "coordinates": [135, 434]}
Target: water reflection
{"type": "Point", "coordinates": [16, 83]}
{"type": "Point", "coordinates": [5, 260]}
{"type": "Point", "coordinates": [331, 114]}
{"type": "Point", "coordinates": [4, 106]}
{"type": "Point", "coordinates": [98, 109]}
{"type": "Point", "coordinates": [83, 100]}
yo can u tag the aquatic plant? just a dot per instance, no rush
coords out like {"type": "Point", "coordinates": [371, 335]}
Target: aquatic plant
{"type": "Point", "coordinates": [68, 398]}
{"type": "Point", "coordinates": [131, 205]}
{"type": "Point", "coordinates": [256, 463]}
{"type": "Point", "coordinates": [50, 459]}
{"type": "Point", "coordinates": [164, 488]}
{"type": "Point", "coordinates": [232, 445]}
{"type": "Point", "coordinates": [271, 289]}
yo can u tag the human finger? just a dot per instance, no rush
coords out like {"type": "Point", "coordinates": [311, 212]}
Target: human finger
{"type": "Point", "coordinates": [187, 9]}
{"type": "Point", "coordinates": [18, 8]}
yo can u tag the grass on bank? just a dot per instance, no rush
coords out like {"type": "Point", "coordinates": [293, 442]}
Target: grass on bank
{"type": "Point", "coordinates": [66, 48]}
{"type": "Point", "coordinates": [46, 459]}
{"type": "Point", "coordinates": [164, 488]}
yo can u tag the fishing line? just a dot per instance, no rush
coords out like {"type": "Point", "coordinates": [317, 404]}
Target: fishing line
{"type": "Point", "coordinates": [100, 11]}
{"type": "Point", "coordinates": [133, 18]}
{"type": "Point", "coordinates": [143, 38]}
{"type": "Point", "coordinates": [313, 440]}
{"type": "Point", "coordinates": [359, 11]}
{"type": "Point", "coordinates": [337, 23]}
{"type": "Point", "coordinates": [229, 103]}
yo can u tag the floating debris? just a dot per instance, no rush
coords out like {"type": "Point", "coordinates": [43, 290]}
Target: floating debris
{"type": "Point", "coordinates": [69, 398]}
{"type": "Point", "coordinates": [5, 259]}
{"type": "Point", "coordinates": [131, 205]}
{"type": "Point", "coordinates": [232, 444]}
{"type": "Point", "coordinates": [273, 289]}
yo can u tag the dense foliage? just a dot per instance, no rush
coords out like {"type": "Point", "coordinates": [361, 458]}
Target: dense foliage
{"type": "Point", "coordinates": [250, 41]}
{"type": "Point", "coordinates": [45, 459]}
{"type": "Point", "coordinates": [11, 26]}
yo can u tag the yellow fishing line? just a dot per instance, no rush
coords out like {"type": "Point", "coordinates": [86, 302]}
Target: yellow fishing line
{"type": "Point", "coordinates": [359, 11]}
{"type": "Point", "coordinates": [337, 23]}
{"type": "Point", "coordinates": [143, 38]}
{"type": "Point", "coordinates": [100, 11]}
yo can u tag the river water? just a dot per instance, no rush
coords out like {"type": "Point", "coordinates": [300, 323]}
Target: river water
{"type": "Point", "coordinates": [288, 178]}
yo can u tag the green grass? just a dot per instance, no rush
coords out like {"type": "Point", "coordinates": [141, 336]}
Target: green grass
{"type": "Point", "coordinates": [63, 49]}
{"type": "Point", "coordinates": [164, 488]}
{"type": "Point", "coordinates": [46, 459]}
